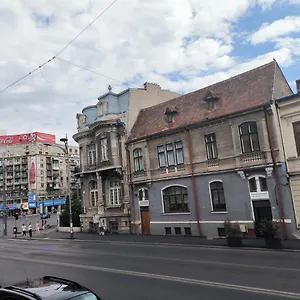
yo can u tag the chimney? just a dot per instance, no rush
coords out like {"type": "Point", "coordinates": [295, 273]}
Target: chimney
{"type": "Point", "coordinates": [151, 86]}
{"type": "Point", "coordinates": [298, 86]}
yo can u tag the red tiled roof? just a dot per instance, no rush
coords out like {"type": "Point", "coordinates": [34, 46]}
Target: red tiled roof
{"type": "Point", "coordinates": [239, 93]}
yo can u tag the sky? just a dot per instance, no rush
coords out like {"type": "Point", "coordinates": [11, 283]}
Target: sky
{"type": "Point", "coordinates": [182, 45]}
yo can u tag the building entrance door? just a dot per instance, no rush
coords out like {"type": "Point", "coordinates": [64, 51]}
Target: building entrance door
{"type": "Point", "coordinates": [145, 220]}
{"type": "Point", "coordinates": [262, 211]}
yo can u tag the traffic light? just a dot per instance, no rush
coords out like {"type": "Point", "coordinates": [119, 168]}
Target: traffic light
{"type": "Point", "coordinates": [16, 215]}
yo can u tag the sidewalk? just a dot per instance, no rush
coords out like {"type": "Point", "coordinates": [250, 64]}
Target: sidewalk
{"type": "Point", "coordinates": [164, 240]}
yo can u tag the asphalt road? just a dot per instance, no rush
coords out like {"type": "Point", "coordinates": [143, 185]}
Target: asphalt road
{"type": "Point", "coordinates": [136, 271]}
{"type": "Point", "coordinates": [25, 220]}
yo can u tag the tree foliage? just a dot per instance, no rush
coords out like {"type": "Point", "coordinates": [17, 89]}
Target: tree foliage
{"type": "Point", "coordinates": [76, 211]}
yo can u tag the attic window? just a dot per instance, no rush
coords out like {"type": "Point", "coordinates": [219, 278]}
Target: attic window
{"type": "Point", "coordinates": [211, 99]}
{"type": "Point", "coordinates": [171, 113]}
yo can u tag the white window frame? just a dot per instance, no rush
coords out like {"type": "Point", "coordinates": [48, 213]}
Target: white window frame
{"type": "Point", "coordinates": [259, 194]}
{"type": "Point", "coordinates": [162, 201]}
{"type": "Point", "coordinates": [143, 190]}
{"type": "Point", "coordinates": [115, 193]}
{"type": "Point", "coordinates": [93, 194]}
{"type": "Point", "coordinates": [92, 156]}
{"type": "Point", "coordinates": [211, 198]}
{"type": "Point", "coordinates": [104, 149]}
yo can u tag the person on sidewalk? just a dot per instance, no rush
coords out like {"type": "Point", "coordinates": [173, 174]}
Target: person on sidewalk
{"type": "Point", "coordinates": [37, 227]}
{"type": "Point", "coordinates": [23, 230]}
{"type": "Point", "coordinates": [30, 229]}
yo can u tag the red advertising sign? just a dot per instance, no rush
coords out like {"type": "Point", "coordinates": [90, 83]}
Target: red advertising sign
{"type": "Point", "coordinates": [27, 138]}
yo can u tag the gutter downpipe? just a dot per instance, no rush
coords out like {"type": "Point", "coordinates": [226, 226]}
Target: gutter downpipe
{"type": "Point", "coordinates": [189, 143]}
{"type": "Point", "coordinates": [131, 190]}
{"type": "Point", "coordinates": [278, 185]}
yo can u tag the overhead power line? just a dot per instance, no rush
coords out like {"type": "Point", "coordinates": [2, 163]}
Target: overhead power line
{"type": "Point", "coordinates": [89, 70]}
{"type": "Point", "coordinates": [59, 52]}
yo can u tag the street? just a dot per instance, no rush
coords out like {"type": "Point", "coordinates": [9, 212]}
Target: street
{"type": "Point", "coordinates": [25, 220]}
{"type": "Point", "coordinates": [116, 270]}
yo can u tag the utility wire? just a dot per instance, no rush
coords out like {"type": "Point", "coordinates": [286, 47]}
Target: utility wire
{"type": "Point", "coordinates": [59, 52]}
{"type": "Point", "coordinates": [89, 70]}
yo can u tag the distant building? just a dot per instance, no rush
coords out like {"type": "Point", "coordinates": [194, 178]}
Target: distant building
{"type": "Point", "coordinates": [212, 155]}
{"type": "Point", "coordinates": [102, 131]}
{"type": "Point", "coordinates": [33, 172]}
{"type": "Point", "coordinates": [289, 112]}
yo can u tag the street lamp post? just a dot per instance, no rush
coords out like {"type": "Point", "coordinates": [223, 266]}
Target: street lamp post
{"type": "Point", "coordinates": [66, 151]}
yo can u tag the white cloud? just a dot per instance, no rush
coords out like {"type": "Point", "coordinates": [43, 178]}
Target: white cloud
{"type": "Point", "coordinates": [276, 29]}
{"type": "Point", "coordinates": [134, 39]}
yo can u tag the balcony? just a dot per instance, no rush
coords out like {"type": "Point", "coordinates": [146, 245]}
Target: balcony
{"type": "Point", "coordinates": [18, 175]}
{"type": "Point", "coordinates": [9, 176]}
{"type": "Point", "coordinates": [9, 163]}
{"type": "Point", "coordinates": [17, 169]}
{"type": "Point", "coordinates": [252, 157]}
{"type": "Point", "coordinates": [17, 162]}
{"type": "Point", "coordinates": [24, 161]}
{"type": "Point", "coordinates": [9, 183]}
{"type": "Point", "coordinates": [48, 160]}
{"type": "Point", "coordinates": [24, 187]}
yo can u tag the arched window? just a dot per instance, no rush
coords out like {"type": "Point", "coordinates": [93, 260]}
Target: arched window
{"type": "Point", "coordinates": [143, 194]}
{"type": "Point", "coordinates": [175, 199]}
{"type": "Point", "coordinates": [249, 137]}
{"type": "Point", "coordinates": [138, 160]}
{"type": "Point", "coordinates": [114, 191]}
{"type": "Point", "coordinates": [217, 196]}
{"type": "Point", "coordinates": [93, 193]}
{"type": "Point", "coordinates": [258, 187]}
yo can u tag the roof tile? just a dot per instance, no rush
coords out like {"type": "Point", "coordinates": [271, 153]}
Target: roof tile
{"type": "Point", "coordinates": [239, 93]}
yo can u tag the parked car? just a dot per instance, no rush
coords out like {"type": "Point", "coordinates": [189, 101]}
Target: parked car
{"type": "Point", "coordinates": [48, 287]}
{"type": "Point", "coordinates": [45, 216]}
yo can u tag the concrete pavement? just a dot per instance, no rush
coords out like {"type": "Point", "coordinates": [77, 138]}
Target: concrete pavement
{"type": "Point", "coordinates": [25, 220]}
{"type": "Point", "coordinates": [165, 240]}
{"type": "Point", "coordinates": [136, 271]}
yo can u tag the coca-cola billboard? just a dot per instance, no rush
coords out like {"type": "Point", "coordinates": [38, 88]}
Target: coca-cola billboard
{"type": "Point", "coordinates": [27, 138]}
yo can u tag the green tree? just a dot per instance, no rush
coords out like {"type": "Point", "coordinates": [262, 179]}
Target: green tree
{"type": "Point", "coordinates": [76, 211]}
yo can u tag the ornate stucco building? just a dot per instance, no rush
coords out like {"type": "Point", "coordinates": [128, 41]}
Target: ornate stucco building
{"type": "Point", "coordinates": [102, 132]}
{"type": "Point", "coordinates": [213, 155]}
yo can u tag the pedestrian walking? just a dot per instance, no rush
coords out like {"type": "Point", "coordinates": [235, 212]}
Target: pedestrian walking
{"type": "Point", "coordinates": [37, 227]}
{"type": "Point", "coordinates": [30, 229]}
{"type": "Point", "coordinates": [23, 230]}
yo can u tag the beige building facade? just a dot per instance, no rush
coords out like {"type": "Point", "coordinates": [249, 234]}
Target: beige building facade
{"type": "Point", "coordinates": [33, 172]}
{"type": "Point", "coordinates": [102, 132]}
{"type": "Point", "coordinates": [289, 116]}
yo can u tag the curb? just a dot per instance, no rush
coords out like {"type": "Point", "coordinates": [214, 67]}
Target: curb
{"type": "Point", "coordinates": [157, 244]}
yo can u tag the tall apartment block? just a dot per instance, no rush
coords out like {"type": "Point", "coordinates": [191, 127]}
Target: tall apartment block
{"type": "Point", "coordinates": [33, 172]}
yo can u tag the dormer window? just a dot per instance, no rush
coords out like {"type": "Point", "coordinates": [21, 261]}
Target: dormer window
{"type": "Point", "coordinates": [170, 113]}
{"type": "Point", "coordinates": [211, 99]}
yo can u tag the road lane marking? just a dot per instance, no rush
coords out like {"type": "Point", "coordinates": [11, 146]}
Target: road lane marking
{"type": "Point", "coordinates": [249, 289]}
{"type": "Point", "coordinates": [59, 251]}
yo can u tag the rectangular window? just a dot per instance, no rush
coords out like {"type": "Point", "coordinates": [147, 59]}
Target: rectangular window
{"type": "Point", "coordinates": [161, 156]}
{"type": "Point", "coordinates": [217, 196]}
{"type": "Point", "coordinates": [138, 160]}
{"type": "Point", "coordinates": [296, 127]}
{"type": "Point", "coordinates": [168, 230]}
{"type": "Point", "coordinates": [187, 231]}
{"type": "Point", "coordinates": [104, 149]}
{"type": "Point", "coordinates": [177, 230]}
{"type": "Point", "coordinates": [170, 154]}
{"type": "Point", "coordinates": [179, 153]}
{"type": "Point", "coordinates": [94, 198]}
{"type": "Point", "coordinates": [211, 146]}
{"type": "Point", "coordinates": [92, 156]}
{"type": "Point", "coordinates": [249, 137]}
